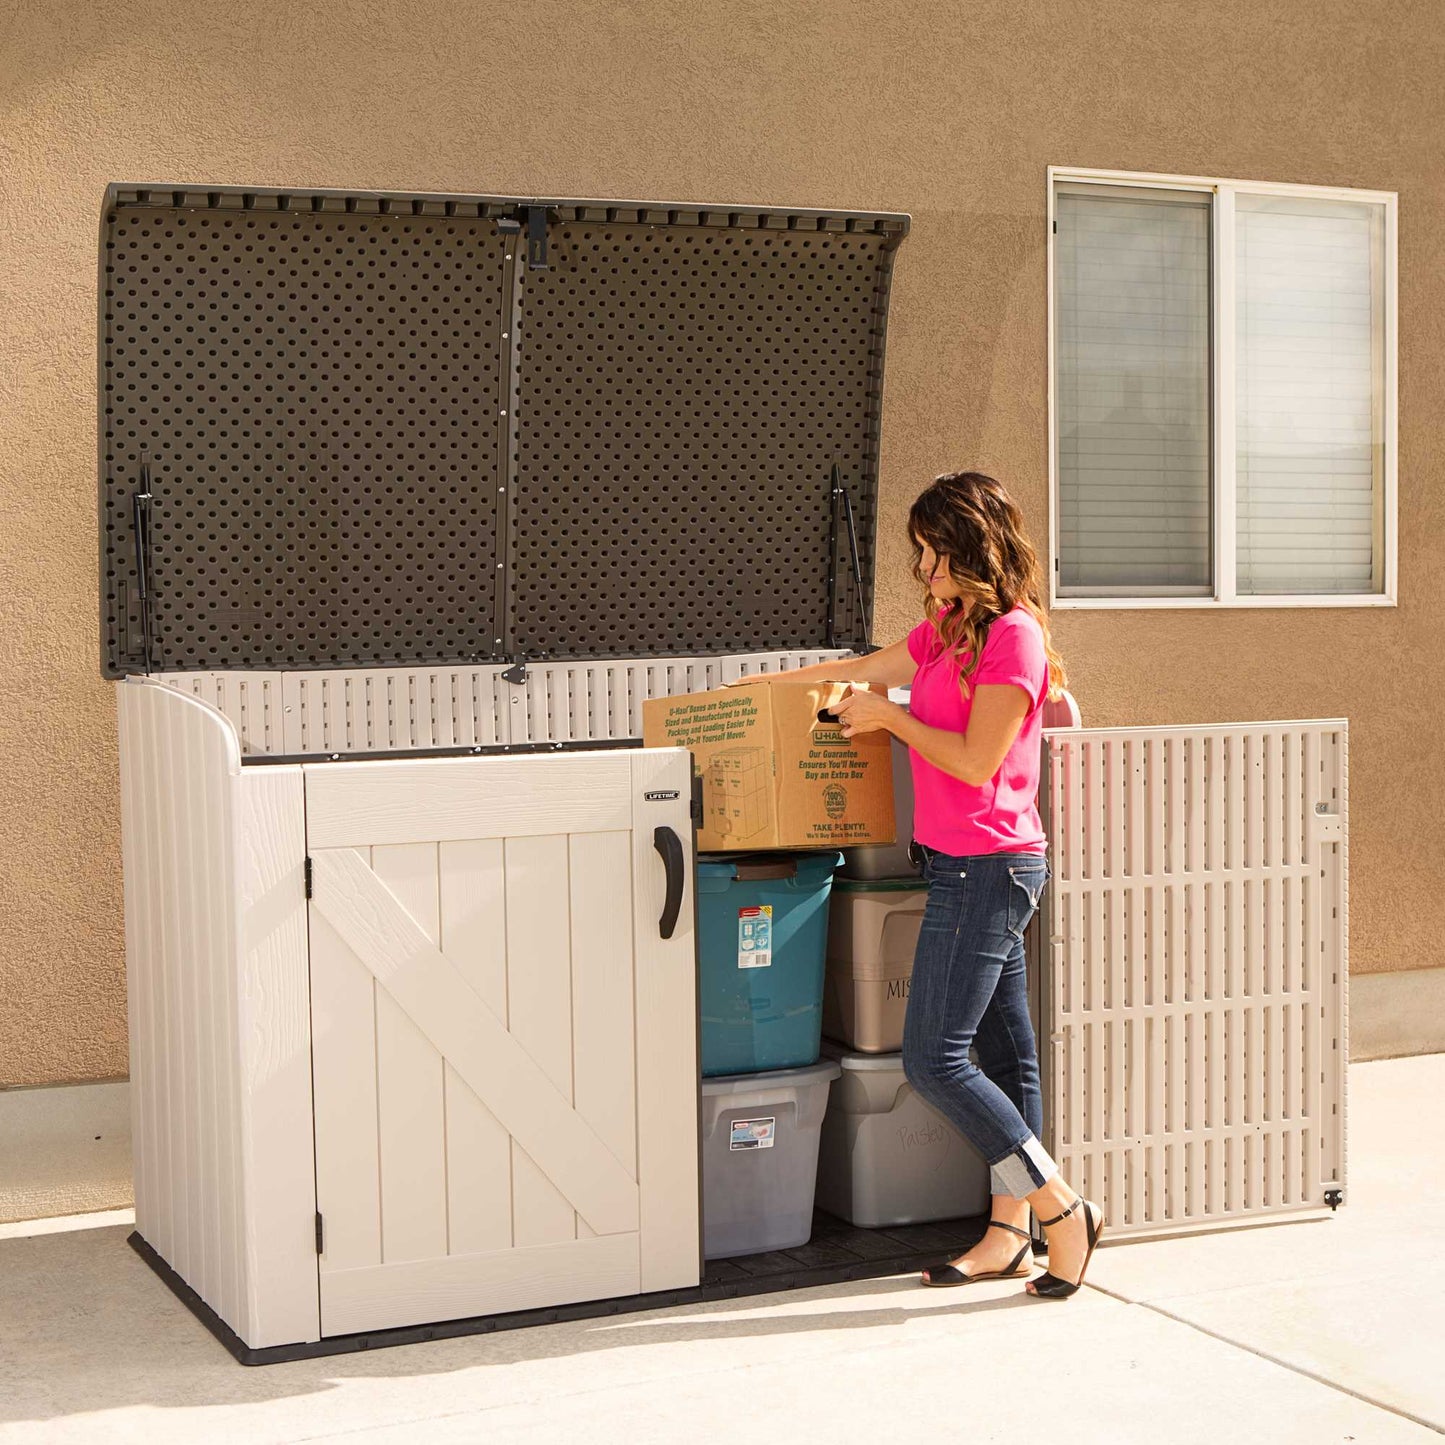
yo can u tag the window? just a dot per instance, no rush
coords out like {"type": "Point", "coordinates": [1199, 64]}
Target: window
{"type": "Point", "coordinates": [1223, 392]}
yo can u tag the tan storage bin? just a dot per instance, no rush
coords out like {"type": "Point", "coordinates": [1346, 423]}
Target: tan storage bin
{"type": "Point", "coordinates": [872, 934]}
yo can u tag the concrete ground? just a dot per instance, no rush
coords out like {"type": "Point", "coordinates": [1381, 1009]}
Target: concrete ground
{"type": "Point", "coordinates": [1310, 1332]}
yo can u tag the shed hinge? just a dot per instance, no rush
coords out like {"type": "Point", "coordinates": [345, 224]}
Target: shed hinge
{"type": "Point", "coordinates": [320, 1233]}
{"type": "Point", "coordinates": [308, 894]}
{"type": "Point", "coordinates": [537, 238]}
{"type": "Point", "coordinates": [696, 807]}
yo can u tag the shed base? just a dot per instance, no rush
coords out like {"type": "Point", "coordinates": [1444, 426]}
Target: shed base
{"type": "Point", "coordinates": [837, 1252]}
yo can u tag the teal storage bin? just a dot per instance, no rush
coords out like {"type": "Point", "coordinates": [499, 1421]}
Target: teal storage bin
{"type": "Point", "coordinates": [762, 948]}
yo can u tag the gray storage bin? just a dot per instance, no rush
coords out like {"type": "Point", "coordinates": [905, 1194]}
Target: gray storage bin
{"type": "Point", "coordinates": [760, 1158]}
{"type": "Point", "coordinates": [886, 1156]}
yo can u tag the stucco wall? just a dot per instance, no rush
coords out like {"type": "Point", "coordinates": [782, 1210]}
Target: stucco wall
{"type": "Point", "coordinates": [948, 111]}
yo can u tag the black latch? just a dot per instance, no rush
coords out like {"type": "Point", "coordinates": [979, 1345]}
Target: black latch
{"type": "Point", "coordinates": [320, 1233]}
{"type": "Point", "coordinates": [308, 894]}
{"type": "Point", "coordinates": [517, 672]}
{"type": "Point", "coordinates": [537, 238]}
{"type": "Point", "coordinates": [841, 493]}
{"type": "Point", "coordinates": [1334, 1198]}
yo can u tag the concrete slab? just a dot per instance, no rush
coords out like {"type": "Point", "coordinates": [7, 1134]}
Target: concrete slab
{"type": "Point", "coordinates": [67, 1150]}
{"type": "Point", "coordinates": [1377, 1337]}
{"type": "Point", "coordinates": [108, 1355]}
{"type": "Point", "coordinates": [933, 1391]}
{"type": "Point", "coordinates": [1358, 1298]}
{"type": "Point", "coordinates": [1169, 1347]}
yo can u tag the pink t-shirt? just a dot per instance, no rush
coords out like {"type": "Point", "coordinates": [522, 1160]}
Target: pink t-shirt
{"type": "Point", "coordinates": [1002, 816]}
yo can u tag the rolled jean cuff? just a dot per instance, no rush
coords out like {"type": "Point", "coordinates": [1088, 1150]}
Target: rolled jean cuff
{"type": "Point", "coordinates": [1023, 1169]}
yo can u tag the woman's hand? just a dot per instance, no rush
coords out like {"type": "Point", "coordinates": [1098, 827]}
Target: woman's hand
{"type": "Point", "coordinates": [866, 712]}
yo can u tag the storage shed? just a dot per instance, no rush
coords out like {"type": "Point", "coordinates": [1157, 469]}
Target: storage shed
{"type": "Point", "coordinates": [407, 503]}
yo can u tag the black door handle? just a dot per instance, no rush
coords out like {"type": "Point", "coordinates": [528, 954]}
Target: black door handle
{"type": "Point", "coordinates": [669, 848]}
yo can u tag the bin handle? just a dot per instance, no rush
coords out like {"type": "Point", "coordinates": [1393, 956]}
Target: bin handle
{"type": "Point", "coordinates": [669, 849]}
{"type": "Point", "coordinates": [759, 872]}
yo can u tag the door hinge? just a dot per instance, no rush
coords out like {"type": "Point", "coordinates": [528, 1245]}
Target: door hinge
{"type": "Point", "coordinates": [696, 808]}
{"type": "Point", "coordinates": [320, 1234]}
{"type": "Point", "coordinates": [308, 894]}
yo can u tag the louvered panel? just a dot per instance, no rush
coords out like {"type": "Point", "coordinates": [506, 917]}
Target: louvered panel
{"type": "Point", "coordinates": [1195, 969]}
{"type": "Point", "coordinates": [251, 700]}
{"type": "Point", "coordinates": [602, 701]}
{"type": "Point", "coordinates": [398, 709]}
{"type": "Point", "coordinates": [751, 664]}
{"type": "Point", "coordinates": [393, 709]}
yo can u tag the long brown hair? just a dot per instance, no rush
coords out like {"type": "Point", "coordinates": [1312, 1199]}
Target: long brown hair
{"type": "Point", "coordinates": [970, 519]}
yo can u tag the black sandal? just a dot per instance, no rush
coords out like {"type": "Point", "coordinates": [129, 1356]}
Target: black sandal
{"type": "Point", "coordinates": [1050, 1286]}
{"type": "Point", "coordinates": [940, 1276]}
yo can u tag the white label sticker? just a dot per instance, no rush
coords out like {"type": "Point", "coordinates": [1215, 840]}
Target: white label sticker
{"type": "Point", "coordinates": [755, 937]}
{"type": "Point", "coordinates": [752, 1133]}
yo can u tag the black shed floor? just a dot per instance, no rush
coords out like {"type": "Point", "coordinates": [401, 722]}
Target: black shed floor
{"type": "Point", "coordinates": [837, 1252]}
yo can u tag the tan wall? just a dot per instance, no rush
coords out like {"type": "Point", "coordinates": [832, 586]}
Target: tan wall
{"type": "Point", "coordinates": [948, 111]}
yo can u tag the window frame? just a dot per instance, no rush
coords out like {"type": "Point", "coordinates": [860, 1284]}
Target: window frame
{"type": "Point", "coordinates": [1222, 374]}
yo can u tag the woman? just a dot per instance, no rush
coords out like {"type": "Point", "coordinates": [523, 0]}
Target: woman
{"type": "Point", "coordinates": [981, 667]}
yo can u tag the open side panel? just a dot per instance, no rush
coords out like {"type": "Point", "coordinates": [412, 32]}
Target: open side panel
{"type": "Point", "coordinates": [504, 1047]}
{"type": "Point", "coordinates": [1194, 979]}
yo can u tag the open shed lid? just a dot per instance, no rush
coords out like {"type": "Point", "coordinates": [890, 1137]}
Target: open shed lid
{"type": "Point", "coordinates": [367, 429]}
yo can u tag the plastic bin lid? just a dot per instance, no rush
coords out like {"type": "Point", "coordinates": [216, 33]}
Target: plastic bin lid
{"type": "Point", "coordinates": [725, 865]}
{"type": "Point", "coordinates": [821, 1072]}
{"type": "Point", "coordinates": [862, 1063]}
{"type": "Point", "coordinates": [911, 884]}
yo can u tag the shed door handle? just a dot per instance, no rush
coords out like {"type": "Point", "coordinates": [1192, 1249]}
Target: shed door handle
{"type": "Point", "coordinates": [669, 848]}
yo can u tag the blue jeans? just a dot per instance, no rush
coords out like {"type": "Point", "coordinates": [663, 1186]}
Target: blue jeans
{"type": "Point", "coordinates": [970, 990]}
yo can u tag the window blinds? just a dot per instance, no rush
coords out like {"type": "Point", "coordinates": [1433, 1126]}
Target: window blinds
{"type": "Point", "coordinates": [1309, 299]}
{"type": "Point", "coordinates": [1132, 390]}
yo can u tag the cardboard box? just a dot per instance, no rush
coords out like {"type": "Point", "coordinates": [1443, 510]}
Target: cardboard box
{"type": "Point", "coordinates": [774, 775]}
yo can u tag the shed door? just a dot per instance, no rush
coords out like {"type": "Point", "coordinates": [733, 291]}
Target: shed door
{"type": "Point", "coordinates": [504, 1046]}
{"type": "Point", "coordinates": [1194, 989]}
